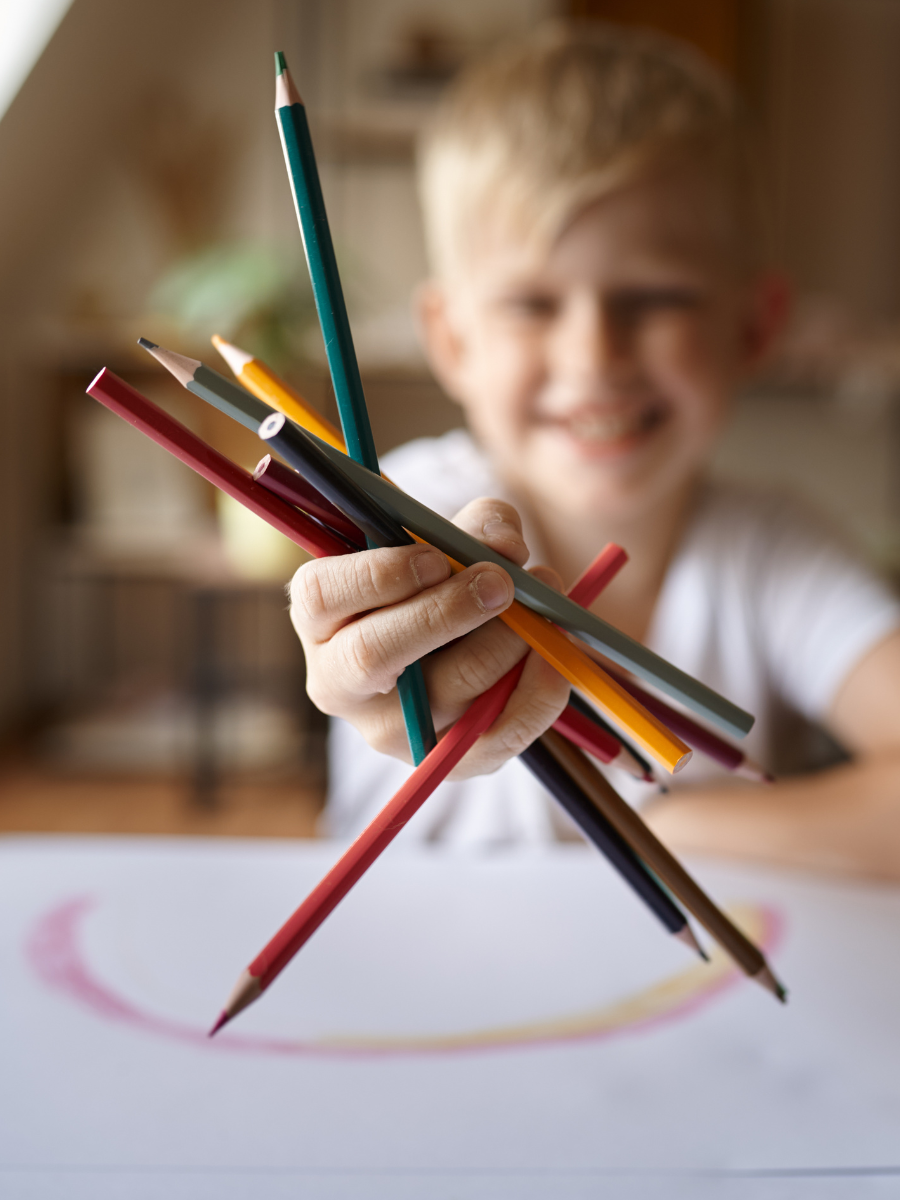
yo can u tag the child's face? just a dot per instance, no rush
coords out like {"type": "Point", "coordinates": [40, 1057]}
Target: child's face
{"type": "Point", "coordinates": [598, 377]}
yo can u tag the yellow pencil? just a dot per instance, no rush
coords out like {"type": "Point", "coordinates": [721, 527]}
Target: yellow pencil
{"type": "Point", "coordinates": [540, 634]}
{"type": "Point", "coordinates": [266, 386]}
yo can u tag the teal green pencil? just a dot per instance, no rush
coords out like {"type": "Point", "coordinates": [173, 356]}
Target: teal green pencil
{"type": "Point", "coordinates": [303, 174]}
{"type": "Point", "coordinates": [329, 295]}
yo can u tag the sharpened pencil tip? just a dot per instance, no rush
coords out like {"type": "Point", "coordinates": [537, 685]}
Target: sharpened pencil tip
{"type": "Point", "coordinates": [147, 344]}
{"type": "Point", "coordinates": [223, 1019]}
{"type": "Point", "coordinates": [689, 938]}
{"type": "Point", "coordinates": [771, 984]}
{"type": "Point", "coordinates": [286, 94]}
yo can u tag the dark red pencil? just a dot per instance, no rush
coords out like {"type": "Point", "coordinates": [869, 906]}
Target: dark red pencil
{"type": "Point", "coordinates": [151, 420]}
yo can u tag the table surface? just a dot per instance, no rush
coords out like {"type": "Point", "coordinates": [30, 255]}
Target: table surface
{"type": "Point", "coordinates": [508, 1025]}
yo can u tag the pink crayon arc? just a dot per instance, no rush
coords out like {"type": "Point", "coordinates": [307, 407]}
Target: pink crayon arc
{"type": "Point", "coordinates": [54, 950]}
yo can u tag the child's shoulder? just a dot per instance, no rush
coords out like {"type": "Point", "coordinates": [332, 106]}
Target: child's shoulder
{"type": "Point", "coordinates": [733, 518]}
{"type": "Point", "coordinates": [443, 472]}
{"type": "Point", "coordinates": [774, 550]}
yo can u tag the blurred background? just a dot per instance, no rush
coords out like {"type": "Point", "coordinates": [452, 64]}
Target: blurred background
{"type": "Point", "coordinates": [149, 678]}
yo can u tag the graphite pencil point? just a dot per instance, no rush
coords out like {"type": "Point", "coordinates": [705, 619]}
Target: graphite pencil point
{"type": "Point", "coordinates": [147, 344]}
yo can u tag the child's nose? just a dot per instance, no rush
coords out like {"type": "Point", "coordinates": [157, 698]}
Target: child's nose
{"type": "Point", "coordinates": [597, 342]}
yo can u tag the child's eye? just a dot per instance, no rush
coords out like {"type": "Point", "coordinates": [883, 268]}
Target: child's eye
{"type": "Point", "coordinates": [533, 305]}
{"type": "Point", "coordinates": [632, 305]}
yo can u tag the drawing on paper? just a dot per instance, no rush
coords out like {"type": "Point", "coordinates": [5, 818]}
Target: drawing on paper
{"type": "Point", "coordinates": [55, 952]}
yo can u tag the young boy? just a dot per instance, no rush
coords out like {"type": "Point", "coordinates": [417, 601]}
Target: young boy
{"type": "Point", "coordinates": [597, 298]}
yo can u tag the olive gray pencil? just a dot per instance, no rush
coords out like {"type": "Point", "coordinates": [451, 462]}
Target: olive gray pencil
{"type": "Point", "coordinates": [545, 600]}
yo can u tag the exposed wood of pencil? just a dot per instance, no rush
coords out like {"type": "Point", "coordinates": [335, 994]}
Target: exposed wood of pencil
{"type": "Point", "coordinates": [270, 389]}
{"type": "Point", "coordinates": [225, 395]}
{"type": "Point", "coordinates": [749, 957]}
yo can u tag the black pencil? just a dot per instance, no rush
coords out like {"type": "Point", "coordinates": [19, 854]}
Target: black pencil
{"type": "Point", "coordinates": [545, 766]}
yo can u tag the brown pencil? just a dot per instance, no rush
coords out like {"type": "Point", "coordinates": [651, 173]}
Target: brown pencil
{"type": "Point", "coordinates": [623, 817]}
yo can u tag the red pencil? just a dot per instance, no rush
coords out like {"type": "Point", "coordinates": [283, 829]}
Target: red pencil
{"type": "Point", "coordinates": [422, 782]}
{"type": "Point", "coordinates": [582, 732]}
{"type": "Point", "coordinates": [572, 724]}
{"type": "Point", "coordinates": [350, 867]}
{"type": "Point", "coordinates": [591, 582]}
{"type": "Point", "coordinates": [140, 412]}
{"type": "Point", "coordinates": [584, 591]}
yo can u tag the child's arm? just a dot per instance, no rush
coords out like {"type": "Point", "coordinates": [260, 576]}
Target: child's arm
{"type": "Point", "coordinates": [362, 618]}
{"type": "Point", "coordinates": [846, 818]}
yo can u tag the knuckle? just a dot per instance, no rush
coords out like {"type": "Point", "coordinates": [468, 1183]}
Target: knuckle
{"type": "Point", "coordinates": [434, 614]}
{"type": "Point", "coordinates": [307, 596]}
{"type": "Point", "coordinates": [518, 733]}
{"type": "Point", "coordinates": [477, 672]}
{"type": "Point", "coordinates": [365, 661]}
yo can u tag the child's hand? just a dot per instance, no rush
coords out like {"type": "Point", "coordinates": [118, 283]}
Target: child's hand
{"type": "Point", "coordinates": [363, 618]}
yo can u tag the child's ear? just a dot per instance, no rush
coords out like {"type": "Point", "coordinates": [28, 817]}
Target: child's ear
{"type": "Point", "coordinates": [440, 340]}
{"type": "Point", "coordinates": [770, 301]}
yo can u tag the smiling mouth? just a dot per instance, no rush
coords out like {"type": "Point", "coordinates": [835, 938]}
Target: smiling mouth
{"type": "Point", "coordinates": [608, 429]}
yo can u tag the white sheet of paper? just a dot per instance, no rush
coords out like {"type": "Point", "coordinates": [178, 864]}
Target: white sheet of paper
{"type": "Point", "coordinates": [512, 1025]}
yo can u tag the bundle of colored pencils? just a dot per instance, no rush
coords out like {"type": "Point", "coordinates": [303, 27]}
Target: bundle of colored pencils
{"type": "Point", "coordinates": [334, 502]}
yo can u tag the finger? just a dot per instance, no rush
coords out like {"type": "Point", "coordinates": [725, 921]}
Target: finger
{"type": "Point", "coordinates": [498, 525]}
{"type": "Point", "coordinates": [549, 576]}
{"type": "Point", "coordinates": [538, 699]}
{"type": "Point", "coordinates": [462, 671]}
{"type": "Point", "coordinates": [329, 592]}
{"type": "Point", "coordinates": [365, 656]}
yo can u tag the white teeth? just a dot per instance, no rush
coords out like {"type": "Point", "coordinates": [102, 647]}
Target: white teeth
{"type": "Point", "coordinates": [605, 427]}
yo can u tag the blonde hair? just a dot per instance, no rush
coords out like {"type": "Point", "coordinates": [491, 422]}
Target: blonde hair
{"type": "Point", "coordinates": [547, 124]}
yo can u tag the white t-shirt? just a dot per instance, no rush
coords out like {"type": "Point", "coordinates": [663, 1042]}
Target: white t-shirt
{"type": "Point", "coordinates": [761, 602]}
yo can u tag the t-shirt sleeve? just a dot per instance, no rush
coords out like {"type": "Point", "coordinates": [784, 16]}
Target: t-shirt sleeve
{"type": "Point", "coordinates": [821, 608]}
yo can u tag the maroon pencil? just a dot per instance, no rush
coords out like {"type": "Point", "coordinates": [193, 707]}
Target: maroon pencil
{"type": "Point", "coordinates": [291, 487]}
{"type": "Point", "coordinates": [122, 399]}
{"type": "Point", "coordinates": [692, 732]}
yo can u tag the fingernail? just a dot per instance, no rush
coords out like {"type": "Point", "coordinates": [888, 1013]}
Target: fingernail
{"type": "Point", "coordinates": [500, 531]}
{"type": "Point", "coordinates": [429, 568]}
{"type": "Point", "coordinates": [490, 590]}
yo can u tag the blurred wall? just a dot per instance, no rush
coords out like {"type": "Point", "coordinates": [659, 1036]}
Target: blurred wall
{"type": "Point", "coordinates": [828, 86]}
{"type": "Point", "coordinates": [144, 132]}
{"type": "Point", "coordinates": [84, 229]}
